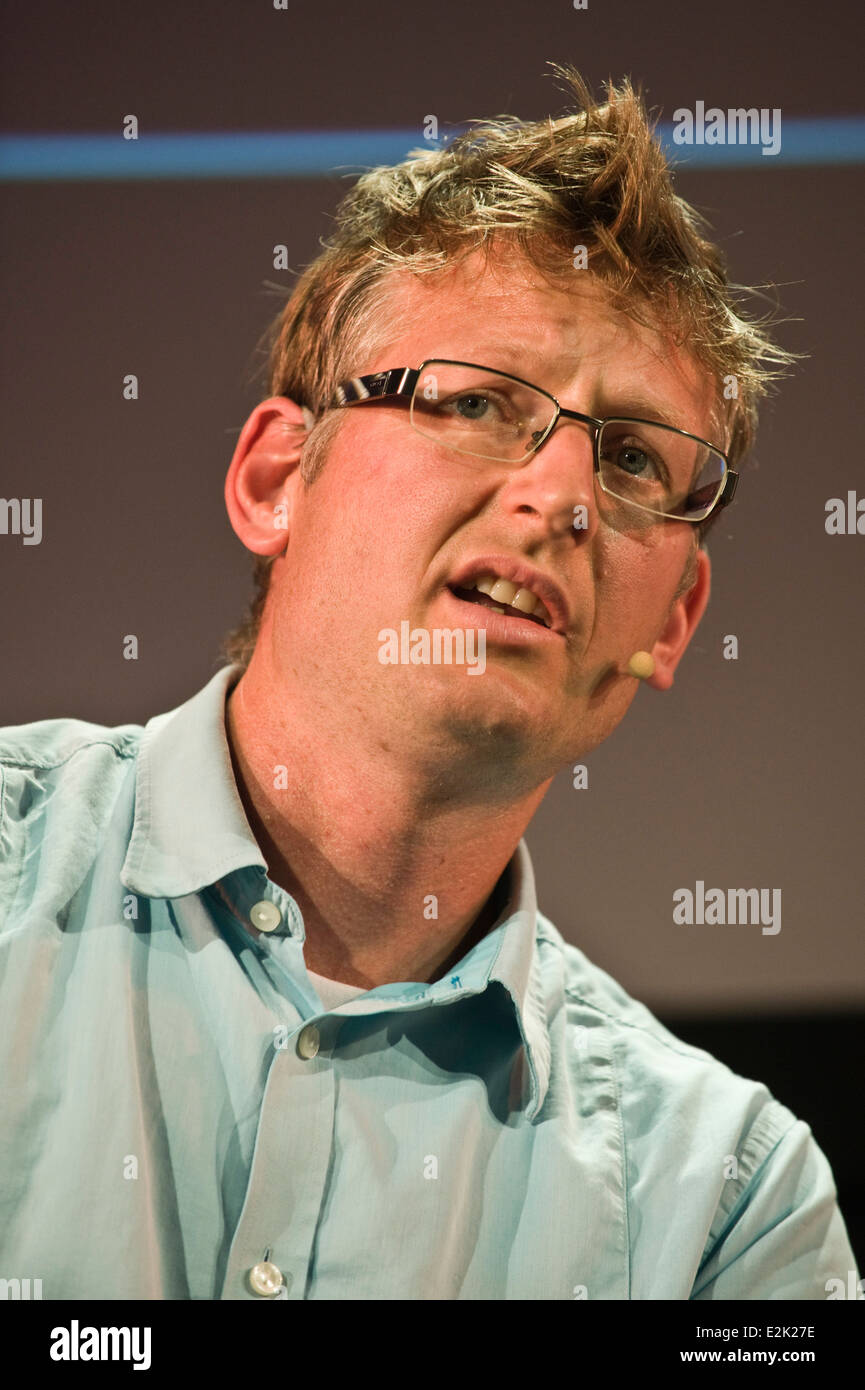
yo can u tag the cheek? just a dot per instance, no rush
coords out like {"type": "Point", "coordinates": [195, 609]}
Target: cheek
{"type": "Point", "coordinates": [352, 545]}
{"type": "Point", "coordinates": [376, 487]}
{"type": "Point", "coordinates": [637, 574]}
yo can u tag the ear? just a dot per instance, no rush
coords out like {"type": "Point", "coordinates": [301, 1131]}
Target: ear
{"type": "Point", "coordinates": [263, 475]}
{"type": "Point", "coordinates": [681, 625]}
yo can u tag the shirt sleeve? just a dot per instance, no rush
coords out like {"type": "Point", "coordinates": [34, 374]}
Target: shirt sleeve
{"type": "Point", "coordinates": [59, 780]}
{"type": "Point", "coordinates": [779, 1233]}
{"type": "Point", "coordinates": [14, 790]}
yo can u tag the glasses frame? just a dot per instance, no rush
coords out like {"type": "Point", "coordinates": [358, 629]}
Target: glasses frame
{"type": "Point", "coordinates": [398, 382]}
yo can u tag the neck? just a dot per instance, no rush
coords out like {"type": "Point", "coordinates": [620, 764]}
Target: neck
{"type": "Point", "coordinates": [396, 870]}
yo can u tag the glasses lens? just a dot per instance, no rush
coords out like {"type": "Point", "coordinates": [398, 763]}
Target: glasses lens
{"type": "Point", "coordinates": [479, 412]}
{"type": "Point", "coordinates": [659, 470]}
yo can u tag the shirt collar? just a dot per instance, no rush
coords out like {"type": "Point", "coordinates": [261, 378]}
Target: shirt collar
{"type": "Point", "coordinates": [190, 830]}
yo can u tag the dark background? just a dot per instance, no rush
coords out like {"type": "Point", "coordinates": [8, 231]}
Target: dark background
{"type": "Point", "coordinates": [749, 772]}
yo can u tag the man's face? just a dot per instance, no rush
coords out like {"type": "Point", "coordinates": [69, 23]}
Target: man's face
{"type": "Point", "coordinates": [392, 517]}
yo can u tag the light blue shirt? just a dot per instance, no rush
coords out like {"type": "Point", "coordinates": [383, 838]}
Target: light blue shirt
{"type": "Point", "coordinates": [181, 1098]}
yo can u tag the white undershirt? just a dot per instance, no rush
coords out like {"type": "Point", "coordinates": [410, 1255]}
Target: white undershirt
{"type": "Point", "coordinates": [334, 992]}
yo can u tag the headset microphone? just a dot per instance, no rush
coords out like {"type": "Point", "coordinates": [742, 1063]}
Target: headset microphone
{"type": "Point", "coordinates": [641, 666]}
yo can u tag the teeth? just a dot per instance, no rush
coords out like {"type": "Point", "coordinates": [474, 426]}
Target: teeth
{"type": "Point", "coordinates": [504, 592]}
{"type": "Point", "coordinates": [524, 600]}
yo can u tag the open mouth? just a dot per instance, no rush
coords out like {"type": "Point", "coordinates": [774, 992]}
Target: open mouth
{"type": "Point", "coordinates": [475, 596]}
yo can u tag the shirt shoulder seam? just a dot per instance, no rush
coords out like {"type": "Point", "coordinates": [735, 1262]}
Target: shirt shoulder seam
{"type": "Point", "coordinates": [123, 748]}
{"type": "Point", "coordinates": [762, 1141]}
{"type": "Point", "coordinates": [672, 1043]}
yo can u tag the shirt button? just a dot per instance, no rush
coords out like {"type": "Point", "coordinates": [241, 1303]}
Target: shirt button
{"type": "Point", "coordinates": [265, 1279]}
{"type": "Point", "coordinates": [308, 1042]}
{"type": "Point", "coordinates": [265, 915]}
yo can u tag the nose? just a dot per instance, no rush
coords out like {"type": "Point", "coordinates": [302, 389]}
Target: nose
{"type": "Point", "coordinates": [570, 445]}
{"type": "Point", "coordinates": [570, 420]}
{"type": "Point", "coordinates": [557, 481]}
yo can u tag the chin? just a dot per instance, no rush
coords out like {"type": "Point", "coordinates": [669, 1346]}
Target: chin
{"type": "Point", "coordinates": [496, 707]}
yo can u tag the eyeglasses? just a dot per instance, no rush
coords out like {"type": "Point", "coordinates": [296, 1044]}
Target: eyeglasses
{"type": "Point", "coordinates": [492, 415]}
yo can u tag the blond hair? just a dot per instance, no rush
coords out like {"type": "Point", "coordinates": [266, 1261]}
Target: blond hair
{"type": "Point", "coordinates": [597, 178]}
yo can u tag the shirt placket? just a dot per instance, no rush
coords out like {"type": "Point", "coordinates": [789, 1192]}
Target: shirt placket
{"type": "Point", "coordinates": [287, 1181]}
{"type": "Point", "coordinates": [272, 1246]}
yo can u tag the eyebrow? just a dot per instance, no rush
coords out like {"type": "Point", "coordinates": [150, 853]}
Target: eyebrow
{"type": "Point", "coordinates": [629, 405]}
{"type": "Point", "coordinates": [640, 408]}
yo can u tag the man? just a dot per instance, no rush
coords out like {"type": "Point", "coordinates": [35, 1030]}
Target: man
{"type": "Point", "coordinates": [282, 1019]}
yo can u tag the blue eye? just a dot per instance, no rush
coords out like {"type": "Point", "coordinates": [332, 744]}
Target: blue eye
{"type": "Point", "coordinates": [637, 461]}
{"type": "Point", "coordinates": [629, 457]}
{"type": "Point", "coordinates": [472, 407]}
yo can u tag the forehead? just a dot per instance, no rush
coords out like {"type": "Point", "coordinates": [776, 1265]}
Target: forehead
{"type": "Point", "coordinates": [563, 334]}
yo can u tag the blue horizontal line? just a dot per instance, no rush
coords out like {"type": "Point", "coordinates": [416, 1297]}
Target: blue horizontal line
{"type": "Point", "coordinates": [314, 154]}
{"type": "Point", "coordinates": [223, 154]}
